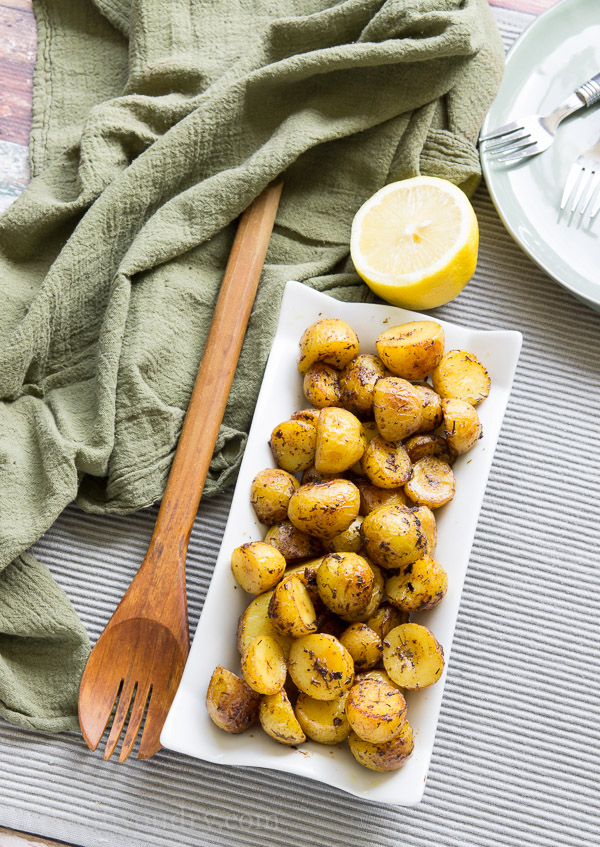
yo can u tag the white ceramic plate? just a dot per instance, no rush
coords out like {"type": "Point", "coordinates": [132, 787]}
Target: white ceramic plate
{"type": "Point", "coordinates": [556, 54]}
{"type": "Point", "coordinates": [188, 728]}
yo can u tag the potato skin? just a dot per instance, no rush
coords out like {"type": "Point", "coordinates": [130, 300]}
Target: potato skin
{"type": "Point", "coordinates": [462, 427]}
{"type": "Point", "coordinates": [372, 497]}
{"type": "Point", "coordinates": [412, 656]}
{"type": "Point", "coordinates": [293, 445]}
{"type": "Point", "coordinates": [424, 445]}
{"type": "Point", "coordinates": [364, 645]}
{"type": "Point", "coordinates": [321, 386]}
{"type": "Point", "coordinates": [376, 596]}
{"type": "Point", "coordinates": [357, 381]}
{"type": "Point", "coordinates": [292, 543]}
{"type": "Point", "coordinates": [231, 703]}
{"type": "Point", "coordinates": [461, 376]}
{"type": "Point", "coordinates": [264, 665]}
{"type": "Point", "coordinates": [349, 541]}
{"type": "Point", "coordinates": [383, 757]}
{"type": "Point", "coordinates": [270, 494]}
{"type": "Point", "coordinates": [321, 666]}
{"type": "Point", "coordinates": [431, 484]}
{"type": "Point", "coordinates": [330, 340]}
{"type": "Point", "coordinates": [323, 721]}
{"type": "Point", "coordinates": [386, 464]}
{"type": "Point", "coordinates": [431, 408]}
{"type": "Point", "coordinates": [340, 442]}
{"type": "Point", "coordinates": [397, 408]}
{"type": "Point", "coordinates": [255, 621]}
{"type": "Point", "coordinates": [257, 566]}
{"type": "Point", "coordinates": [394, 537]}
{"type": "Point", "coordinates": [417, 587]}
{"type": "Point", "coordinates": [412, 350]}
{"type": "Point", "coordinates": [345, 583]}
{"type": "Point", "coordinates": [427, 525]}
{"type": "Point", "coordinates": [291, 610]}
{"type": "Point", "coordinates": [375, 710]}
{"type": "Point", "coordinates": [310, 416]}
{"type": "Point", "coordinates": [386, 618]}
{"type": "Point", "coordinates": [324, 509]}
{"type": "Point", "coordinates": [278, 720]}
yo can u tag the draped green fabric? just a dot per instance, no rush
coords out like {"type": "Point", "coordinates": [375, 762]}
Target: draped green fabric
{"type": "Point", "coordinates": [155, 125]}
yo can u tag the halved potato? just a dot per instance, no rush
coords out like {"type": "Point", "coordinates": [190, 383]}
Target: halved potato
{"type": "Point", "coordinates": [461, 376]}
{"type": "Point", "coordinates": [324, 721]}
{"type": "Point", "coordinates": [388, 756]}
{"type": "Point", "coordinates": [412, 656]}
{"type": "Point", "coordinates": [292, 543]}
{"type": "Point", "coordinates": [412, 350]}
{"type": "Point", "coordinates": [428, 526]}
{"type": "Point", "coordinates": [422, 446]}
{"type": "Point", "coordinates": [321, 386]}
{"type": "Point", "coordinates": [341, 441]}
{"type": "Point", "coordinates": [372, 497]}
{"type": "Point", "coordinates": [345, 583]}
{"type": "Point", "coordinates": [462, 427]}
{"type": "Point", "coordinates": [230, 702]}
{"type": "Point", "coordinates": [357, 381]}
{"type": "Point", "coordinates": [397, 408]}
{"type": "Point", "coordinates": [394, 537]}
{"type": "Point", "coordinates": [270, 494]}
{"type": "Point", "coordinates": [257, 566]}
{"type": "Point", "coordinates": [264, 665]}
{"type": "Point", "coordinates": [375, 710]}
{"type": "Point", "coordinates": [431, 484]}
{"type": "Point", "coordinates": [330, 340]}
{"type": "Point", "coordinates": [255, 621]}
{"type": "Point", "coordinates": [376, 597]}
{"type": "Point", "coordinates": [419, 586]}
{"type": "Point", "coordinates": [307, 573]}
{"type": "Point", "coordinates": [349, 541]}
{"type": "Point", "coordinates": [293, 445]}
{"type": "Point", "coordinates": [431, 406]}
{"type": "Point", "coordinates": [278, 720]}
{"type": "Point", "coordinates": [386, 618]}
{"type": "Point", "coordinates": [364, 645]}
{"type": "Point", "coordinates": [321, 666]}
{"type": "Point", "coordinates": [324, 509]}
{"type": "Point", "coordinates": [291, 610]}
{"type": "Point", "coordinates": [386, 464]}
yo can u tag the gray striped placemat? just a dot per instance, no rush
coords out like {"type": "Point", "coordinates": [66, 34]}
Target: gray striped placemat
{"type": "Point", "coordinates": [516, 756]}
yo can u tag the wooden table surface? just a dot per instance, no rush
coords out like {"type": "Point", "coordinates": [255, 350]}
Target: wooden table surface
{"type": "Point", "coordinates": [17, 56]}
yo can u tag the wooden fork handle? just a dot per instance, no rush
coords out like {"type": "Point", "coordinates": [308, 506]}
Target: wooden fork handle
{"type": "Point", "coordinates": [215, 374]}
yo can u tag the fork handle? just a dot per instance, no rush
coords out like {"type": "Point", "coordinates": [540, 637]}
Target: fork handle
{"type": "Point", "coordinates": [589, 92]}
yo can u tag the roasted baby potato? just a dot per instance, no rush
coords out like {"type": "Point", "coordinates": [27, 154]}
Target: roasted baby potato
{"type": "Point", "coordinates": [349, 541]}
{"type": "Point", "coordinates": [412, 656]}
{"type": "Point", "coordinates": [364, 645]}
{"type": "Point", "coordinates": [385, 463]}
{"type": "Point", "coordinates": [412, 350]}
{"type": "Point", "coordinates": [264, 665]}
{"type": "Point", "coordinates": [376, 597]}
{"type": "Point", "coordinates": [341, 441]}
{"type": "Point", "coordinates": [310, 416]}
{"type": "Point", "coordinates": [383, 757]}
{"type": "Point", "coordinates": [321, 386]}
{"type": "Point", "coordinates": [293, 445]}
{"type": "Point", "coordinates": [372, 497]}
{"type": "Point", "coordinates": [257, 566]}
{"type": "Point", "coordinates": [255, 621]}
{"type": "Point", "coordinates": [292, 543]}
{"type": "Point", "coordinates": [331, 341]}
{"type": "Point", "coordinates": [313, 475]}
{"type": "Point", "coordinates": [419, 586]}
{"type": "Point", "coordinates": [321, 666]}
{"type": "Point", "coordinates": [385, 618]}
{"type": "Point", "coordinates": [428, 526]}
{"type": "Point", "coordinates": [345, 583]}
{"type": "Point", "coordinates": [431, 408]}
{"type": "Point", "coordinates": [397, 408]}
{"type": "Point", "coordinates": [379, 674]}
{"type": "Point", "coordinates": [357, 381]}
{"type": "Point", "coordinates": [270, 494]}
{"type": "Point", "coordinates": [375, 710]}
{"type": "Point", "coordinates": [431, 484]}
{"type": "Point", "coordinates": [324, 721]}
{"type": "Point", "coordinates": [462, 427]}
{"type": "Point", "coordinates": [394, 537]}
{"type": "Point", "coordinates": [421, 446]}
{"type": "Point", "coordinates": [307, 574]}
{"type": "Point", "coordinates": [291, 610]}
{"type": "Point", "coordinates": [230, 702]}
{"type": "Point", "coordinates": [461, 376]}
{"type": "Point", "coordinates": [278, 720]}
{"type": "Point", "coordinates": [324, 509]}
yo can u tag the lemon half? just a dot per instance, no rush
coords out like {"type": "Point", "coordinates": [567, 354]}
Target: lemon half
{"type": "Point", "coordinates": [415, 242]}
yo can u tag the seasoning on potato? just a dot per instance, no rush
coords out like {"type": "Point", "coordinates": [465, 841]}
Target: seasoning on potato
{"type": "Point", "coordinates": [270, 494]}
{"type": "Point", "coordinates": [291, 610]}
{"type": "Point", "coordinates": [321, 666]}
{"type": "Point", "coordinates": [412, 350]}
{"type": "Point", "coordinates": [293, 445]}
{"type": "Point", "coordinates": [375, 710]}
{"type": "Point", "coordinates": [417, 587]}
{"type": "Point", "coordinates": [431, 408]}
{"type": "Point", "coordinates": [330, 340]}
{"type": "Point", "coordinates": [388, 756]}
{"type": "Point", "coordinates": [376, 597]}
{"type": "Point", "coordinates": [385, 618]}
{"type": "Point", "coordinates": [255, 621]}
{"type": "Point", "coordinates": [340, 441]}
{"type": "Point", "coordinates": [345, 583]}
{"type": "Point", "coordinates": [431, 484]}
{"type": "Point", "coordinates": [372, 497]}
{"type": "Point", "coordinates": [462, 427]}
{"type": "Point", "coordinates": [397, 408]}
{"type": "Point", "coordinates": [257, 566]}
{"type": "Point", "coordinates": [385, 463]}
{"type": "Point", "coordinates": [412, 656]}
{"type": "Point", "coordinates": [264, 665]}
{"type": "Point", "coordinates": [230, 701]}
{"type": "Point", "coordinates": [278, 719]}
{"type": "Point", "coordinates": [324, 509]}
{"type": "Point", "coordinates": [364, 645]}
{"type": "Point", "coordinates": [357, 382]}
{"type": "Point", "coordinates": [292, 543]}
{"type": "Point", "coordinates": [323, 721]}
{"type": "Point", "coordinates": [461, 376]}
{"type": "Point", "coordinates": [321, 386]}
{"type": "Point", "coordinates": [394, 537]}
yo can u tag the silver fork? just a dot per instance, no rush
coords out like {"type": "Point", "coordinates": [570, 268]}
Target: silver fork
{"type": "Point", "coordinates": [583, 183]}
{"type": "Point", "coordinates": [535, 133]}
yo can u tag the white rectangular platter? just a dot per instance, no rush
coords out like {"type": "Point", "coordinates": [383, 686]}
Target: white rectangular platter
{"type": "Point", "coordinates": [188, 728]}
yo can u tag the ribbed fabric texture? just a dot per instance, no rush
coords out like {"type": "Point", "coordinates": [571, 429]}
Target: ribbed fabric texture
{"type": "Point", "coordinates": [516, 757]}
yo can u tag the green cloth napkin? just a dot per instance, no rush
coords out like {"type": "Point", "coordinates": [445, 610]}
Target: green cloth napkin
{"type": "Point", "coordinates": [155, 125]}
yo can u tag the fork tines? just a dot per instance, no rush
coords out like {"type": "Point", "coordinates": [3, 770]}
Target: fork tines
{"type": "Point", "coordinates": [582, 189]}
{"type": "Point", "coordinates": [510, 142]}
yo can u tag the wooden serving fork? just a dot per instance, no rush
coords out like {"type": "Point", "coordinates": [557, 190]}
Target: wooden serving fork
{"type": "Point", "coordinates": [138, 660]}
